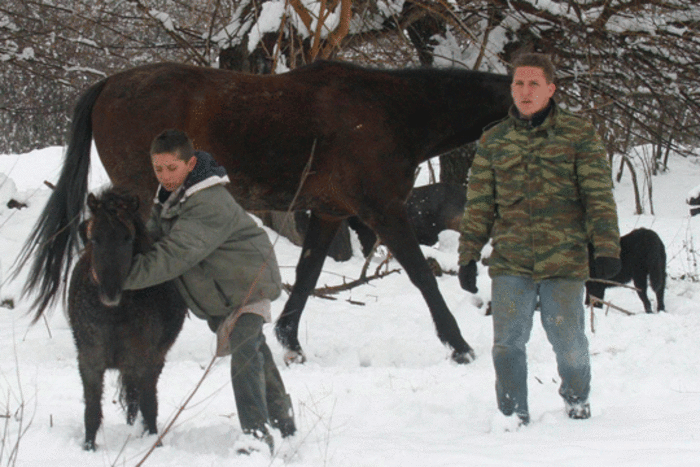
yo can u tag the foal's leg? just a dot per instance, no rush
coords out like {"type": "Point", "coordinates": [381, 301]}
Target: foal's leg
{"type": "Point", "coordinates": [395, 231]}
{"type": "Point", "coordinates": [148, 396]}
{"type": "Point", "coordinates": [92, 376]}
{"type": "Point", "coordinates": [316, 243]}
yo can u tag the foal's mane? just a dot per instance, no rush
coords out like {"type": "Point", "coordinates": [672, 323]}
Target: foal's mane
{"type": "Point", "coordinates": [123, 206]}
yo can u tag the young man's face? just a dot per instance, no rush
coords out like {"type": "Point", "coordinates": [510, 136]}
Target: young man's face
{"type": "Point", "coordinates": [171, 171]}
{"type": "Point", "coordinates": [530, 90]}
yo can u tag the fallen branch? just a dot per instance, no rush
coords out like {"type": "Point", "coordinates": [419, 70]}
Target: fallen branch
{"type": "Point", "coordinates": [613, 283]}
{"type": "Point", "coordinates": [355, 283]}
{"type": "Point", "coordinates": [594, 300]}
{"type": "Point", "coordinates": [325, 292]}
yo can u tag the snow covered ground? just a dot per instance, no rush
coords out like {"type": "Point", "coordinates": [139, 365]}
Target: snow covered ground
{"type": "Point", "coordinates": [378, 388]}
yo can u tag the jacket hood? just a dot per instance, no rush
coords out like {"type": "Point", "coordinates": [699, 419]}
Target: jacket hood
{"type": "Point", "coordinates": [207, 172]}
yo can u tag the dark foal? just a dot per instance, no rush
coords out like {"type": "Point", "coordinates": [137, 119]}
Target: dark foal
{"type": "Point", "coordinates": [130, 331]}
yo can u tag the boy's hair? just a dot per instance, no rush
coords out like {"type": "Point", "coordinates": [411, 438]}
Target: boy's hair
{"type": "Point", "coordinates": [173, 141]}
{"type": "Point", "coordinates": [537, 60]}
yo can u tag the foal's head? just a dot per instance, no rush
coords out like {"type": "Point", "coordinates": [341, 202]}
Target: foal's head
{"type": "Point", "coordinates": [113, 234]}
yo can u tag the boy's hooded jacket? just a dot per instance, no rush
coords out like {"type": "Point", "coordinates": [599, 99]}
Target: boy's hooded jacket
{"type": "Point", "coordinates": [214, 251]}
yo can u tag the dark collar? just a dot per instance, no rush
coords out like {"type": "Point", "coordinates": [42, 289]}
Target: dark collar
{"type": "Point", "coordinates": [538, 118]}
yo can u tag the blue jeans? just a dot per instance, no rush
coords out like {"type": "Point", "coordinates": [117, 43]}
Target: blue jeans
{"type": "Point", "coordinates": [513, 302]}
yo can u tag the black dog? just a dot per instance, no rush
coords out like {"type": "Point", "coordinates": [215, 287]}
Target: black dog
{"type": "Point", "coordinates": [642, 255]}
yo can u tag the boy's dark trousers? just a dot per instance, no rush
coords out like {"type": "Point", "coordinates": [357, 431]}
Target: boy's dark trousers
{"type": "Point", "coordinates": [257, 385]}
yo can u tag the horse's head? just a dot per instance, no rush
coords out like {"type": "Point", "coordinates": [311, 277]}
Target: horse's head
{"type": "Point", "coordinates": [111, 234]}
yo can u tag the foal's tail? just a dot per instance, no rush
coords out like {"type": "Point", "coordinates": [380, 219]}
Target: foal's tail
{"type": "Point", "coordinates": [54, 238]}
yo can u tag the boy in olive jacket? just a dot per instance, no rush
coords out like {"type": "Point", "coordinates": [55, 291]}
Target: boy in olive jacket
{"type": "Point", "coordinates": [541, 188]}
{"type": "Point", "coordinates": [224, 267]}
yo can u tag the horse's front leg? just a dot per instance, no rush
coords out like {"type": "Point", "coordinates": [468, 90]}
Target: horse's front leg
{"type": "Point", "coordinates": [92, 376]}
{"type": "Point", "coordinates": [318, 239]}
{"type": "Point", "coordinates": [396, 233]}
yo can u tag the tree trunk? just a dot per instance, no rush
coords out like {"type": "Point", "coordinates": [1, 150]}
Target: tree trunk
{"type": "Point", "coordinates": [637, 200]}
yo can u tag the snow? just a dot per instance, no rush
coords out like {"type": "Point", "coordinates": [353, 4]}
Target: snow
{"type": "Point", "coordinates": [164, 19]}
{"type": "Point", "coordinates": [269, 21]}
{"type": "Point", "coordinates": [378, 388]}
{"type": "Point", "coordinates": [693, 193]}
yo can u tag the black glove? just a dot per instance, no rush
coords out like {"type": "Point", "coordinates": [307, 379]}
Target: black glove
{"type": "Point", "coordinates": [467, 277]}
{"type": "Point", "coordinates": [606, 267]}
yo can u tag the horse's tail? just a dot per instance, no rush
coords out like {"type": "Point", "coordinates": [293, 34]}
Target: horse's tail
{"type": "Point", "coordinates": [54, 238]}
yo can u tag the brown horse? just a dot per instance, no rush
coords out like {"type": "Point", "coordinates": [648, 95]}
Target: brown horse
{"type": "Point", "coordinates": [361, 132]}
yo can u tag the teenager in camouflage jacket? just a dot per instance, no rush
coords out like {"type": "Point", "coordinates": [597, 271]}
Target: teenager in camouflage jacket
{"type": "Point", "coordinates": [539, 193]}
{"type": "Point", "coordinates": [540, 187]}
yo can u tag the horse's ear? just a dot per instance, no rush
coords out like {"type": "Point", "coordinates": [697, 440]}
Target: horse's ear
{"type": "Point", "coordinates": [92, 202]}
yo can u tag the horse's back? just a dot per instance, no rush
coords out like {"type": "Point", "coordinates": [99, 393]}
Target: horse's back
{"type": "Point", "coordinates": [359, 127]}
{"type": "Point", "coordinates": [262, 129]}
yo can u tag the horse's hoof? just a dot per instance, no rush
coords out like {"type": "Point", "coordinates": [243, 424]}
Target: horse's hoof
{"type": "Point", "coordinates": [294, 356]}
{"type": "Point", "coordinates": [89, 446]}
{"type": "Point", "coordinates": [463, 357]}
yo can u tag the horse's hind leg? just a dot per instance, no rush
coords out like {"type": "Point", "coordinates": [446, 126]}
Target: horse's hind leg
{"type": "Point", "coordinates": [316, 243]}
{"type": "Point", "coordinates": [397, 234]}
{"type": "Point", "coordinates": [92, 376]}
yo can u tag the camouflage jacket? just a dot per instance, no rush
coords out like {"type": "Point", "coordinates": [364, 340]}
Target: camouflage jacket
{"type": "Point", "coordinates": [541, 194]}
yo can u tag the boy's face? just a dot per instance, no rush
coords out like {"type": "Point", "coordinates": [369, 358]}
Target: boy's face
{"type": "Point", "coordinates": [530, 90]}
{"type": "Point", "coordinates": [170, 170]}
